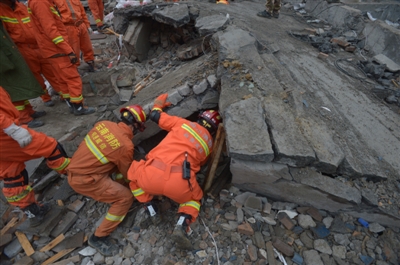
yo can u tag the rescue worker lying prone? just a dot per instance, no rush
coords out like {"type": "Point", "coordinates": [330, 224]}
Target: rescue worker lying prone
{"type": "Point", "coordinates": [107, 149]}
{"type": "Point", "coordinates": [170, 168]}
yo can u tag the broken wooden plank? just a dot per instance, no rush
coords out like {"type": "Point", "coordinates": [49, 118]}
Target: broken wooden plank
{"type": "Point", "coordinates": [216, 153]}
{"type": "Point", "coordinates": [26, 245]}
{"type": "Point", "coordinates": [73, 259]}
{"type": "Point", "coordinates": [10, 224]}
{"type": "Point", "coordinates": [57, 256]}
{"type": "Point", "coordinates": [60, 203]}
{"type": "Point", "coordinates": [53, 243]}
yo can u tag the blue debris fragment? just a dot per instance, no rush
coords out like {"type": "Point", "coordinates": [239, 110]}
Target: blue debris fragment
{"type": "Point", "coordinates": [363, 222]}
{"type": "Point", "coordinates": [366, 259]}
{"type": "Point", "coordinates": [320, 231]}
{"type": "Point", "coordinates": [297, 259]}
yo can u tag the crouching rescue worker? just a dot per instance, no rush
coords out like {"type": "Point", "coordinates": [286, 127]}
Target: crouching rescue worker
{"type": "Point", "coordinates": [170, 168]}
{"type": "Point", "coordinates": [19, 144]}
{"type": "Point", "coordinates": [107, 149]}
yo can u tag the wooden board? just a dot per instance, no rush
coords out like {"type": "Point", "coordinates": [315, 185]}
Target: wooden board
{"type": "Point", "coordinates": [216, 153]}
{"type": "Point", "coordinates": [74, 259]}
{"type": "Point", "coordinates": [53, 243]}
{"type": "Point", "coordinates": [26, 245]}
{"type": "Point", "coordinates": [58, 256]}
{"type": "Point", "coordinates": [10, 224]}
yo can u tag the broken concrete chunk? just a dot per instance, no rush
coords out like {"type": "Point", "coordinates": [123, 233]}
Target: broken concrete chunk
{"type": "Point", "coordinates": [390, 65]}
{"type": "Point", "coordinates": [175, 15]}
{"type": "Point", "coordinates": [253, 203]}
{"type": "Point", "coordinates": [210, 24]}
{"type": "Point", "coordinates": [201, 87]}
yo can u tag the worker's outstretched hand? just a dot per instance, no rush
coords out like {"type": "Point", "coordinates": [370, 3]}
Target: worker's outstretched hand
{"type": "Point", "coordinates": [19, 134]}
{"type": "Point", "coordinates": [161, 102]}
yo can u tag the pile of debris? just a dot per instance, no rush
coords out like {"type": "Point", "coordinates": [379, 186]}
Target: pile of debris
{"type": "Point", "coordinates": [234, 227]}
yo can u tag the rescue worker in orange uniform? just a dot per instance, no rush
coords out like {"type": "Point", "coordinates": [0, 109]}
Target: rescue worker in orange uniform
{"type": "Point", "coordinates": [107, 149]}
{"type": "Point", "coordinates": [97, 8]}
{"type": "Point", "coordinates": [19, 144]}
{"type": "Point", "coordinates": [78, 27]}
{"type": "Point", "coordinates": [52, 38]}
{"type": "Point", "coordinates": [170, 168]}
{"type": "Point", "coordinates": [16, 21]}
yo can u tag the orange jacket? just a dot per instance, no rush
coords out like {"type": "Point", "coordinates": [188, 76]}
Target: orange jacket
{"type": "Point", "coordinates": [18, 24]}
{"type": "Point", "coordinates": [97, 8]}
{"type": "Point", "coordinates": [72, 11]}
{"type": "Point", "coordinates": [184, 136]}
{"type": "Point", "coordinates": [107, 148]}
{"type": "Point", "coordinates": [8, 113]}
{"type": "Point", "coordinates": [51, 36]}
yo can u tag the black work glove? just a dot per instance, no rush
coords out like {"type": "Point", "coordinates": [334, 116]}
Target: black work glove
{"type": "Point", "coordinates": [72, 57]}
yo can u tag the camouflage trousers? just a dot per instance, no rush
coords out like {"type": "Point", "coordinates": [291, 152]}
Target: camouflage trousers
{"type": "Point", "coordinates": [273, 6]}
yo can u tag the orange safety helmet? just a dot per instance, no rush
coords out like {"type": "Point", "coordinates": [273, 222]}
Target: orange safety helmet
{"type": "Point", "coordinates": [134, 114]}
{"type": "Point", "coordinates": [210, 118]}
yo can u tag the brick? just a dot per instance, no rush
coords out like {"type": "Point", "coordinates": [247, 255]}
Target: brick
{"type": "Point", "coordinates": [267, 208]}
{"type": "Point", "coordinates": [152, 240]}
{"type": "Point", "coordinates": [76, 206]}
{"type": "Point", "coordinates": [254, 203]}
{"type": "Point", "coordinates": [246, 229]}
{"type": "Point", "coordinates": [340, 42]}
{"type": "Point", "coordinates": [270, 253]}
{"type": "Point", "coordinates": [67, 221]}
{"type": "Point", "coordinates": [282, 247]}
{"type": "Point", "coordinates": [315, 214]}
{"type": "Point", "coordinates": [285, 220]}
{"type": "Point", "coordinates": [322, 55]}
{"type": "Point", "coordinates": [350, 48]}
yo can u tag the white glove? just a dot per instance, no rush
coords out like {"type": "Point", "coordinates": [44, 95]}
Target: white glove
{"type": "Point", "coordinates": [19, 134]}
{"type": "Point", "coordinates": [90, 30]}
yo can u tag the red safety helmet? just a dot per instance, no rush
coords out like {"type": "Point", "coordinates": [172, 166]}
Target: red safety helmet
{"type": "Point", "coordinates": [134, 114]}
{"type": "Point", "coordinates": [212, 117]}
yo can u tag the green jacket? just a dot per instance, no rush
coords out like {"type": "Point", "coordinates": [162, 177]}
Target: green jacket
{"type": "Point", "coordinates": [15, 76]}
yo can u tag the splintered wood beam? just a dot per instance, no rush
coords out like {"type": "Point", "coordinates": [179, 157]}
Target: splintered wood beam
{"type": "Point", "coordinates": [216, 153]}
{"type": "Point", "coordinates": [53, 243]}
{"type": "Point", "coordinates": [26, 245]}
{"type": "Point", "coordinates": [58, 256]}
{"type": "Point", "coordinates": [10, 224]}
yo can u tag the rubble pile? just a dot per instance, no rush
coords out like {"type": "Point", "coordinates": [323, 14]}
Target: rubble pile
{"type": "Point", "coordinates": [246, 228]}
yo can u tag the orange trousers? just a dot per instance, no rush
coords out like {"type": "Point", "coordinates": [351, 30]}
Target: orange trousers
{"type": "Point", "coordinates": [97, 8]}
{"type": "Point", "coordinates": [79, 40]}
{"type": "Point", "coordinates": [68, 76]}
{"type": "Point", "coordinates": [40, 66]}
{"type": "Point", "coordinates": [148, 180]}
{"type": "Point", "coordinates": [102, 188]}
{"type": "Point", "coordinates": [25, 111]}
{"type": "Point", "coordinates": [13, 158]}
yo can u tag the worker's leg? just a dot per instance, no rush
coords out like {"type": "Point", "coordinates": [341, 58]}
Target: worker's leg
{"type": "Point", "coordinates": [74, 41]}
{"type": "Point", "coordinates": [85, 43]}
{"type": "Point", "coordinates": [103, 189]}
{"type": "Point", "coordinates": [269, 6]}
{"type": "Point", "coordinates": [24, 114]}
{"type": "Point", "coordinates": [30, 55]}
{"type": "Point", "coordinates": [136, 172]}
{"type": "Point", "coordinates": [101, 9]}
{"type": "Point", "coordinates": [188, 196]}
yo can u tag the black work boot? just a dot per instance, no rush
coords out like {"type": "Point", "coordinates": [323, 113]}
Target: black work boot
{"type": "Point", "coordinates": [36, 213]}
{"type": "Point", "coordinates": [68, 101]}
{"type": "Point", "coordinates": [103, 245]}
{"type": "Point", "coordinates": [91, 66]}
{"type": "Point", "coordinates": [38, 114]}
{"type": "Point", "coordinates": [182, 231]}
{"type": "Point", "coordinates": [152, 210]}
{"type": "Point", "coordinates": [79, 109]}
{"type": "Point", "coordinates": [35, 124]}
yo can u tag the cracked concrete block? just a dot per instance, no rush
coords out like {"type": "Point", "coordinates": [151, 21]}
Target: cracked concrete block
{"type": "Point", "coordinates": [210, 99]}
{"type": "Point", "coordinates": [211, 24]}
{"type": "Point", "coordinates": [184, 90]}
{"type": "Point", "coordinates": [174, 97]}
{"type": "Point", "coordinates": [201, 87]}
{"type": "Point", "coordinates": [46, 180]}
{"type": "Point", "coordinates": [175, 15]}
{"type": "Point", "coordinates": [67, 221]}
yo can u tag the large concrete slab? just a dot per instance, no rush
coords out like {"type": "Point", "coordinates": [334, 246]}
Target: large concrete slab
{"type": "Point", "coordinates": [247, 132]}
{"type": "Point", "coordinates": [175, 15]}
{"type": "Point", "coordinates": [211, 24]}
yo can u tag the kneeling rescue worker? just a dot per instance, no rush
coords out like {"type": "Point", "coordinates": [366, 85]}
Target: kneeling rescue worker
{"type": "Point", "coordinates": [18, 145]}
{"type": "Point", "coordinates": [170, 168]}
{"type": "Point", "coordinates": [107, 149]}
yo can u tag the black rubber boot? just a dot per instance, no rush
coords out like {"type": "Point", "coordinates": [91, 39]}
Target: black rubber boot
{"type": "Point", "coordinates": [91, 66]}
{"type": "Point", "coordinates": [79, 109]}
{"type": "Point", "coordinates": [35, 124]}
{"type": "Point", "coordinates": [36, 213]}
{"type": "Point", "coordinates": [38, 114]}
{"type": "Point", "coordinates": [103, 245]}
{"type": "Point", "coordinates": [68, 101]}
{"type": "Point", "coordinates": [152, 210]}
{"type": "Point", "coordinates": [182, 231]}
